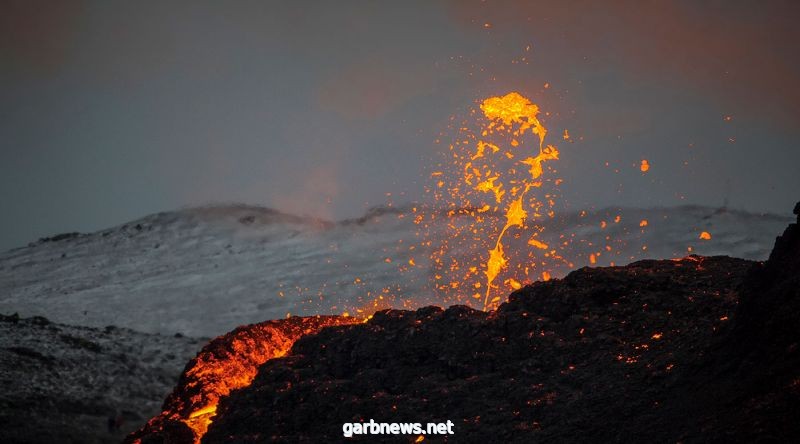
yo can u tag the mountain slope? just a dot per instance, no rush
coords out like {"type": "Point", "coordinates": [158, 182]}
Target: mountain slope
{"type": "Point", "coordinates": [62, 383]}
{"type": "Point", "coordinates": [203, 271]}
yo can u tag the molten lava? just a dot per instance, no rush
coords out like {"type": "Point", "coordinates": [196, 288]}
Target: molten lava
{"type": "Point", "coordinates": [504, 112]}
{"type": "Point", "coordinates": [227, 363]}
{"type": "Point", "coordinates": [495, 194]}
{"type": "Point", "coordinates": [494, 169]}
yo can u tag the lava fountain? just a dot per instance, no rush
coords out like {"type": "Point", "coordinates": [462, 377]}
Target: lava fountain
{"type": "Point", "coordinates": [492, 173]}
{"type": "Point", "coordinates": [497, 173]}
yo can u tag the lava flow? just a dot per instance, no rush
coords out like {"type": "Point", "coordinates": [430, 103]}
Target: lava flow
{"type": "Point", "coordinates": [493, 170]}
{"type": "Point", "coordinates": [227, 363]}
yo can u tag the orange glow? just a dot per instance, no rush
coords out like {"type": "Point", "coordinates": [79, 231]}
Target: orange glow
{"type": "Point", "coordinates": [231, 362]}
{"type": "Point", "coordinates": [495, 168]}
{"type": "Point", "coordinates": [513, 283]}
{"type": "Point", "coordinates": [705, 235]}
{"type": "Point", "coordinates": [540, 245]}
{"type": "Point", "coordinates": [497, 192]}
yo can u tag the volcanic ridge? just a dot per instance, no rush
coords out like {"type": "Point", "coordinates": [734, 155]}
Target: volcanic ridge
{"type": "Point", "coordinates": [698, 349]}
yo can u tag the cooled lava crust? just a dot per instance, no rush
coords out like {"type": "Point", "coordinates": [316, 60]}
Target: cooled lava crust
{"type": "Point", "coordinates": [703, 349]}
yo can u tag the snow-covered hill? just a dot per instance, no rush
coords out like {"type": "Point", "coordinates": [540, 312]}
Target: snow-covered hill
{"type": "Point", "coordinates": [203, 271]}
{"type": "Point", "coordinates": [62, 383]}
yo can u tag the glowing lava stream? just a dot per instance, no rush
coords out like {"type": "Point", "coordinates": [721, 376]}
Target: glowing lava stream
{"type": "Point", "coordinates": [229, 362]}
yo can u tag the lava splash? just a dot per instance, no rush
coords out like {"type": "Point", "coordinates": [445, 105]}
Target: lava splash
{"type": "Point", "coordinates": [493, 170]}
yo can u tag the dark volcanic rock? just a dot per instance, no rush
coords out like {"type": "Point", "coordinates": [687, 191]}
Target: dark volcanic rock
{"type": "Point", "coordinates": [749, 385]}
{"type": "Point", "coordinates": [606, 354]}
{"type": "Point", "coordinates": [702, 349]}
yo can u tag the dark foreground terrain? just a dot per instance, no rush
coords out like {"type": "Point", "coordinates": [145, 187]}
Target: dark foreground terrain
{"type": "Point", "coordinates": [703, 349]}
{"type": "Point", "coordinates": [61, 384]}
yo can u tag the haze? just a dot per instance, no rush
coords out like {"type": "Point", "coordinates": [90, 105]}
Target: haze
{"type": "Point", "coordinates": [114, 110]}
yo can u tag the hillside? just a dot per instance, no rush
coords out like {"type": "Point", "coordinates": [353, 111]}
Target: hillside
{"type": "Point", "coordinates": [204, 271]}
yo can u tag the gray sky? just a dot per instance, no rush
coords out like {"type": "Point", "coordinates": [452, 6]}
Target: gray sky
{"type": "Point", "coordinates": [113, 110]}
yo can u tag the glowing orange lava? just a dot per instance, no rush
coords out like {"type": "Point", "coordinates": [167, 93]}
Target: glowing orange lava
{"type": "Point", "coordinates": [230, 362]}
{"type": "Point", "coordinates": [494, 169]}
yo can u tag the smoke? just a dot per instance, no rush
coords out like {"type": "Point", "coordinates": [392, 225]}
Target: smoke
{"type": "Point", "coordinates": [313, 196]}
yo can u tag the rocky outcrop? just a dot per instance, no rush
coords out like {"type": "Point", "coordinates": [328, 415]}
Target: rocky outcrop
{"type": "Point", "coordinates": [749, 385]}
{"type": "Point", "coordinates": [592, 357]}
